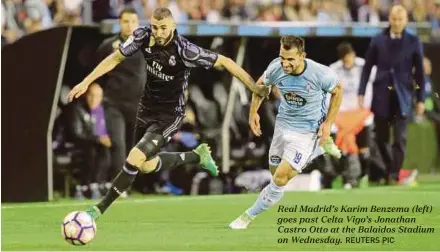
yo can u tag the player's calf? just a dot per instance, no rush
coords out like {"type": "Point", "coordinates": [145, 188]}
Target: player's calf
{"type": "Point", "coordinates": [122, 181]}
{"type": "Point", "coordinates": [268, 197]}
{"type": "Point", "coordinates": [167, 160]}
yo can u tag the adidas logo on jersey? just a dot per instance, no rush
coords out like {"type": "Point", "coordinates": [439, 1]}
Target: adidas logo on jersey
{"type": "Point", "coordinates": [182, 156]}
{"type": "Point", "coordinates": [155, 141]}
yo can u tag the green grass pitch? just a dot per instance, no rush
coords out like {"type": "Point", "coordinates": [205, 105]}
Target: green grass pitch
{"type": "Point", "coordinates": [200, 222]}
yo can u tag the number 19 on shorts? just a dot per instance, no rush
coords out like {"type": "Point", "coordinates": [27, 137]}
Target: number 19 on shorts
{"type": "Point", "coordinates": [298, 157]}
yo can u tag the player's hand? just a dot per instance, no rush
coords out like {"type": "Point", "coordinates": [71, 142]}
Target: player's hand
{"type": "Point", "coordinates": [361, 101]}
{"type": "Point", "coordinates": [324, 132]}
{"type": "Point", "coordinates": [420, 108]}
{"type": "Point", "coordinates": [261, 90]}
{"type": "Point", "coordinates": [105, 140]}
{"type": "Point", "coordinates": [77, 91]}
{"type": "Point", "coordinates": [254, 123]}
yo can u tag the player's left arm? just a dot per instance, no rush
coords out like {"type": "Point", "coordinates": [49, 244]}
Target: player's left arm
{"type": "Point", "coordinates": [196, 56]}
{"type": "Point", "coordinates": [238, 72]}
{"type": "Point", "coordinates": [335, 102]}
{"type": "Point", "coordinates": [332, 85]}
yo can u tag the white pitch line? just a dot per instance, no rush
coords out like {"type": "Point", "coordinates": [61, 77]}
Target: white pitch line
{"type": "Point", "coordinates": [213, 197]}
{"type": "Point", "coordinates": [130, 201]}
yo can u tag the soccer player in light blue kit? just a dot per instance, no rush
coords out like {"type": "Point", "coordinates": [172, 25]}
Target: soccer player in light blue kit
{"type": "Point", "coordinates": [302, 128]}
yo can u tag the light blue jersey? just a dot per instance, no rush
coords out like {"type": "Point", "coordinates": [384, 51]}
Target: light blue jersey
{"type": "Point", "coordinates": [303, 97]}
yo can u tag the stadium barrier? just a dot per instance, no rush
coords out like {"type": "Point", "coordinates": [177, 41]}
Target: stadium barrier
{"type": "Point", "coordinates": [31, 95]}
{"type": "Point", "coordinates": [33, 69]}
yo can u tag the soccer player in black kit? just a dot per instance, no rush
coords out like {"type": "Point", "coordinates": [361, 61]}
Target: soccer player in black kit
{"type": "Point", "coordinates": [169, 58]}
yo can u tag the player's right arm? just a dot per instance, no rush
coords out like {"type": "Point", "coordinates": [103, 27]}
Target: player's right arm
{"type": "Point", "coordinates": [104, 67]}
{"type": "Point", "coordinates": [254, 118]}
{"type": "Point", "coordinates": [131, 46]}
{"type": "Point", "coordinates": [266, 80]}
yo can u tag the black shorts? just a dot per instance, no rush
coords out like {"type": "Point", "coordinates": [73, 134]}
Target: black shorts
{"type": "Point", "coordinates": [165, 124]}
{"type": "Point", "coordinates": [363, 137]}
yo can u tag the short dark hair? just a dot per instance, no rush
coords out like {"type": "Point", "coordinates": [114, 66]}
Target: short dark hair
{"type": "Point", "coordinates": [161, 13]}
{"type": "Point", "coordinates": [288, 42]}
{"type": "Point", "coordinates": [127, 11]}
{"type": "Point", "coordinates": [344, 48]}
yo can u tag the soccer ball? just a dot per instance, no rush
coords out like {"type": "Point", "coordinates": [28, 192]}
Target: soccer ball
{"type": "Point", "coordinates": [78, 228]}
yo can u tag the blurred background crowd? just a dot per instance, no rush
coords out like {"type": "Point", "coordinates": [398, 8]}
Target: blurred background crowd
{"type": "Point", "coordinates": [92, 136]}
{"type": "Point", "coordinates": [20, 17]}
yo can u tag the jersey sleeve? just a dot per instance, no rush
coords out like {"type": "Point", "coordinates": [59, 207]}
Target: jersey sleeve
{"type": "Point", "coordinates": [269, 74]}
{"type": "Point", "coordinates": [329, 80]}
{"type": "Point", "coordinates": [195, 56]}
{"type": "Point", "coordinates": [135, 42]}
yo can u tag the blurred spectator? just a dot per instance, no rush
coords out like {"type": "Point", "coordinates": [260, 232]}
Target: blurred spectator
{"type": "Point", "coordinates": [270, 12]}
{"type": "Point", "coordinates": [418, 13]}
{"type": "Point", "coordinates": [371, 13]}
{"type": "Point", "coordinates": [235, 10]}
{"type": "Point", "coordinates": [341, 10]}
{"type": "Point", "coordinates": [88, 128]}
{"type": "Point", "coordinates": [333, 11]}
{"type": "Point", "coordinates": [349, 68]}
{"type": "Point", "coordinates": [290, 10]}
{"type": "Point", "coordinates": [69, 12]}
{"type": "Point", "coordinates": [434, 16]}
{"type": "Point", "coordinates": [39, 16]}
{"type": "Point", "coordinates": [15, 16]}
{"type": "Point", "coordinates": [307, 10]}
{"type": "Point", "coordinates": [194, 10]}
{"type": "Point", "coordinates": [123, 88]}
{"type": "Point", "coordinates": [178, 9]}
{"type": "Point", "coordinates": [213, 11]}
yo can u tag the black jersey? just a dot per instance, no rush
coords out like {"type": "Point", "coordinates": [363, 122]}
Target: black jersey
{"type": "Point", "coordinates": [168, 69]}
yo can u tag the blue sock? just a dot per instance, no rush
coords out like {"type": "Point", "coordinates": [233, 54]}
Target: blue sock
{"type": "Point", "coordinates": [269, 196]}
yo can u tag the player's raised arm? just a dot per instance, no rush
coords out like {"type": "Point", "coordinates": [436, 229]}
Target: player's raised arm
{"type": "Point", "coordinates": [104, 67]}
{"type": "Point", "coordinates": [131, 46]}
{"type": "Point", "coordinates": [241, 74]}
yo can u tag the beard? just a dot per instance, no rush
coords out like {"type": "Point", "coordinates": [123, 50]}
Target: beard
{"type": "Point", "coordinates": [163, 41]}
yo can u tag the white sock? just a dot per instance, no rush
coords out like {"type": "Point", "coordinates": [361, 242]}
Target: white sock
{"type": "Point", "coordinates": [269, 196]}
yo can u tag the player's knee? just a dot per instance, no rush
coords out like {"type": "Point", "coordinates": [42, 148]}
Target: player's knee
{"type": "Point", "coordinates": [136, 158]}
{"type": "Point", "coordinates": [280, 179]}
{"type": "Point", "coordinates": [283, 174]}
{"type": "Point", "coordinates": [149, 165]}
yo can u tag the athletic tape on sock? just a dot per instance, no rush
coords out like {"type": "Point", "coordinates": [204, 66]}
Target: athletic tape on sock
{"type": "Point", "coordinates": [129, 169]}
